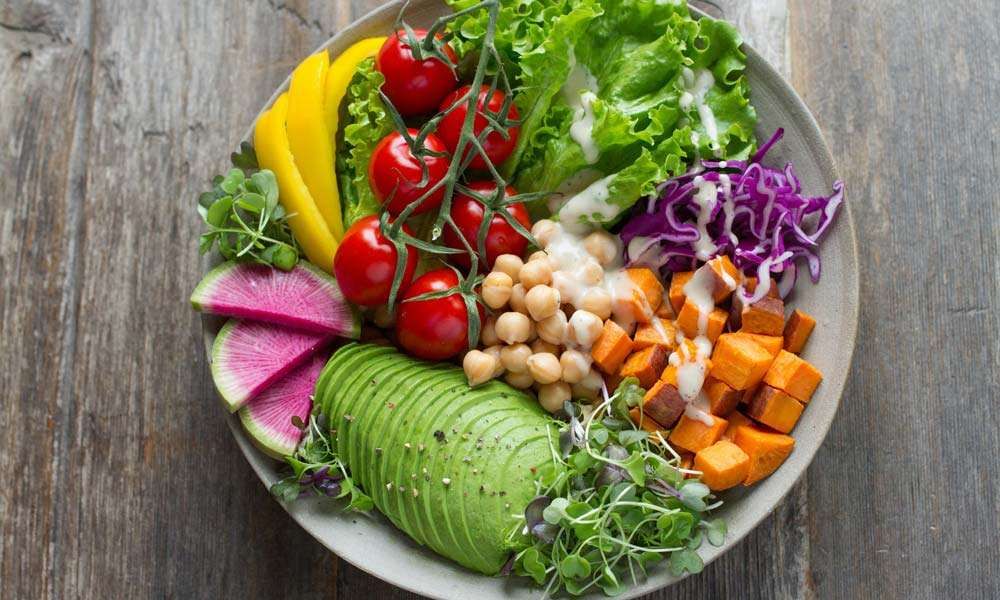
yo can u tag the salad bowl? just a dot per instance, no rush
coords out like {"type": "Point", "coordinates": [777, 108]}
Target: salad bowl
{"type": "Point", "coordinates": [373, 544]}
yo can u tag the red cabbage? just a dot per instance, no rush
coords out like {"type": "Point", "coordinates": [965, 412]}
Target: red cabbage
{"type": "Point", "coordinates": [755, 214]}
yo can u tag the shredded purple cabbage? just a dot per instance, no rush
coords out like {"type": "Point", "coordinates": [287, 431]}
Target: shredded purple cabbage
{"type": "Point", "coordinates": [758, 217]}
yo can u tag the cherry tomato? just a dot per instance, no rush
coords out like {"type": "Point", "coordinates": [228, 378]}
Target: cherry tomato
{"type": "Point", "coordinates": [394, 171]}
{"type": "Point", "coordinates": [501, 238]}
{"type": "Point", "coordinates": [435, 329]}
{"type": "Point", "coordinates": [366, 262]}
{"type": "Point", "coordinates": [414, 87]}
{"type": "Point", "coordinates": [450, 128]}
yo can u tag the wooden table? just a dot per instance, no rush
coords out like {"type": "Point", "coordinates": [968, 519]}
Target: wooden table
{"type": "Point", "coordinates": [118, 478]}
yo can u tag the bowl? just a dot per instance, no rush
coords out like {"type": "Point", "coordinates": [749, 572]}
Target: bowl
{"type": "Point", "coordinates": [373, 544]}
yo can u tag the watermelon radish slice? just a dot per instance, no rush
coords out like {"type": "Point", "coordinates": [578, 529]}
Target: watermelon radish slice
{"type": "Point", "coordinates": [268, 417]}
{"type": "Point", "coordinates": [249, 356]}
{"type": "Point", "coordinates": [304, 298]}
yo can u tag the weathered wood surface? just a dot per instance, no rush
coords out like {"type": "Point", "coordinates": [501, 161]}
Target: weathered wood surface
{"type": "Point", "coordinates": [118, 479]}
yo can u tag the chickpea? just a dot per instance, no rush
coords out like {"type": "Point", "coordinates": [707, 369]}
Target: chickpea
{"type": "Point", "coordinates": [515, 358]}
{"type": "Point", "coordinates": [598, 301]}
{"type": "Point", "coordinates": [575, 365]}
{"type": "Point", "coordinates": [517, 298]}
{"type": "Point", "coordinates": [521, 381]}
{"type": "Point", "coordinates": [589, 388]}
{"type": "Point", "coordinates": [541, 345]}
{"type": "Point", "coordinates": [494, 351]}
{"type": "Point", "coordinates": [538, 255]}
{"type": "Point", "coordinates": [591, 273]}
{"type": "Point", "coordinates": [510, 264]}
{"type": "Point", "coordinates": [514, 327]}
{"type": "Point", "coordinates": [553, 329]}
{"type": "Point", "coordinates": [584, 328]}
{"type": "Point", "coordinates": [497, 289]}
{"type": "Point", "coordinates": [543, 231]}
{"type": "Point", "coordinates": [542, 302]}
{"type": "Point", "coordinates": [602, 246]}
{"type": "Point", "coordinates": [479, 367]}
{"type": "Point", "coordinates": [536, 272]}
{"type": "Point", "coordinates": [553, 396]}
{"type": "Point", "coordinates": [544, 367]}
{"type": "Point", "coordinates": [382, 318]}
{"type": "Point", "coordinates": [565, 284]}
{"type": "Point", "coordinates": [488, 334]}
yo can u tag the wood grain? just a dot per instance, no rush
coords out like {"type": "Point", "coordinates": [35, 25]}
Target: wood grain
{"type": "Point", "coordinates": [120, 480]}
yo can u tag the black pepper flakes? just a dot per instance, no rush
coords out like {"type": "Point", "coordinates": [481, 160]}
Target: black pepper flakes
{"type": "Point", "coordinates": [439, 436]}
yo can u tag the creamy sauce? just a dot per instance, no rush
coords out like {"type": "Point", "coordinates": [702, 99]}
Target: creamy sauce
{"type": "Point", "coordinates": [586, 205]}
{"type": "Point", "coordinates": [705, 198]}
{"type": "Point", "coordinates": [580, 91]}
{"type": "Point", "coordinates": [697, 84]}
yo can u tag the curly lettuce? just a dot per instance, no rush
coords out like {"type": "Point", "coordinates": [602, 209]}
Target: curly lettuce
{"type": "Point", "coordinates": [664, 89]}
{"type": "Point", "coordinates": [368, 122]}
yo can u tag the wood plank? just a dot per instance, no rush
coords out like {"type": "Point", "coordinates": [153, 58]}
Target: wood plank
{"type": "Point", "coordinates": [906, 506]}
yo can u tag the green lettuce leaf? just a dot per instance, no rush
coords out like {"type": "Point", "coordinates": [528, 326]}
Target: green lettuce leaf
{"type": "Point", "coordinates": [367, 123]}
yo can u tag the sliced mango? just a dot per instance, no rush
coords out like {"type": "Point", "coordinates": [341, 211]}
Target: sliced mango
{"type": "Point", "coordinates": [309, 141]}
{"type": "Point", "coordinates": [307, 224]}
{"type": "Point", "coordinates": [339, 77]}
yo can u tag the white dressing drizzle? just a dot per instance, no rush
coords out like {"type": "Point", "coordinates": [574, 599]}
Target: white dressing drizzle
{"type": "Point", "coordinates": [705, 198]}
{"type": "Point", "coordinates": [580, 92]}
{"type": "Point", "coordinates": [591, 202]}
{"type": "Point", "coordinates": [697, 84]}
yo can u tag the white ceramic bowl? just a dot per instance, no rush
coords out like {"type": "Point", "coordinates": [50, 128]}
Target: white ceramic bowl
{"type": "Point", "coordinates": [371, 543]}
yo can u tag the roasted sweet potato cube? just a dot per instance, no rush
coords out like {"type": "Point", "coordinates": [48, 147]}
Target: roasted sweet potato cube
{"type": "Point", "coordinates": [666, 312]}
{"type": "Point", "coordinates": [645, 365]}
{"type": "Point", "coordinates": [739, 362]}
{"type": "Point", "coordinates": [723, 465]}
{"type": "Point", "coordinates": [766, 317]}
{"type": "Point", "coordinates": [766, 449]}
{"type": "Point", "coordinates": [793, 375]}
{"type": "Point", "coordinates": [725, 277]}
{"type": "Point", "coordinates": [657, 332]}
{"type": "Point", "coordinates": [647, 281]}
{"type": "Point", "coordinates": [736, 420]}
{"type": "Point", "coordinates": [676, 292]}
{"type": "Point", "coordinates": [797, 330]}
{"type": "Point", "coordinates": [645, 297]}
{"type": "Point", "coordinates": [750, 285]}
{"type": "Point", "coordinates": [722, 399]}
{"type": "Point", "coordinates": [771, 343]}
{"type": "Point", "coordinates": [687, 461]}
{"type": "Point", "coordinates": [693, 435]}
{"type": "Point", "coordinates": [611, 349]}
{"type": "Point", "coordinates": [669, 375]}
{"type": "Point", "coordinates": [688, 321]}
{"type": "Point", "coordinates": [663, 403]}
{"type": "Point", "coordinates": [656, 432]}
{"type": "Point", "coordinates": [775, 408]}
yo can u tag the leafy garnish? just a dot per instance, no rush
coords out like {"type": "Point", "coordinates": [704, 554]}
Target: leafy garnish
{"type": "Point", "coordinates": [243, 217]}
{"type": "Point", "coordinates": [318, 471]}
{"type": "Point", "coordinates": [617, 508]}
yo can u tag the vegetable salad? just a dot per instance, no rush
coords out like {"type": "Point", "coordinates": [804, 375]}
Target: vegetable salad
{"type": "Point", "coordinates": [550, 226]}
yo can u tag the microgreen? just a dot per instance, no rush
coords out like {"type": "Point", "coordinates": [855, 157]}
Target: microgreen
{"type": "Point", "coordinates": [318, 471]}
{"type": "Point", "coordinates": [243, 217]}
{"type": "Point", "coordinates": [619, 507]}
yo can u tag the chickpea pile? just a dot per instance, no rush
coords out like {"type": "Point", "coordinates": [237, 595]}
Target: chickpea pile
{"type": "Point", "coordinates": [537, 336]}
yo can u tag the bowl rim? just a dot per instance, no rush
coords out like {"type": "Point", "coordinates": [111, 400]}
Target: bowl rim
{"type": "Point", "coordinates": [813, 139]}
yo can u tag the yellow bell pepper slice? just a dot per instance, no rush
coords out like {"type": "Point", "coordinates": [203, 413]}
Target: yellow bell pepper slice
{"type": "Point", "coordinates": [308, 139]}
{"type": "Point", "coordinates": [308, 226]}
{"type": "Point", "coordinates": [339, 77]}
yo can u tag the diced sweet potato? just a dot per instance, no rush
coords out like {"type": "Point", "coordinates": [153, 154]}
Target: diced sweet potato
{"type": "Point", "coordinates": [725, 277]}
{"type": "Point", "coordinates": [750, 284]}
{"type": "Point", "coordinates": [736, 420]}
{"type": "Point", "coordinates": [645, 422]}
{"type": "Point", "coordinates": [657, 332]}
{"type": "Point", "coordinates": [687, 461]}
{"type": "Point", "coordinates": [775, 408]}
{"type": "Point", "coordinates": [771, 343]}
{"type": "Point", "coordinates": [612, 382]}
{"type": "Point", "coordinates": [766, 317]}
{"type": "Point", "coordinates": [793, 375]}
{"type": "Point", "coordinates": [693, 435]}
{"type": "Point", "coordinates": [767, 450]}
{"type": "Point", "coordinates": [646, 297]}
{"type": "Point", "coordinates": [687, 321]}
{"type": "Point", "coordinates": [739, 362]}
{"type": "Point", "coordinates": [723, 465]}
{"type": "Point", "coordinates": [611, 349]}
{"type": "Point", "coordinates": [669, 375]}
{"type": "Point", "coordinates": [663, 403]}
{"type": "Point", "coordinates": [797, 331]}
{"type": "Point", "coordinates": [645, 365]}
{"type": "Point", "coordinates": [666, 312]}
{"type": "Point", "coordinates": [722, 399]}
{"type": "Point", "coordinates": [676, 292]}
